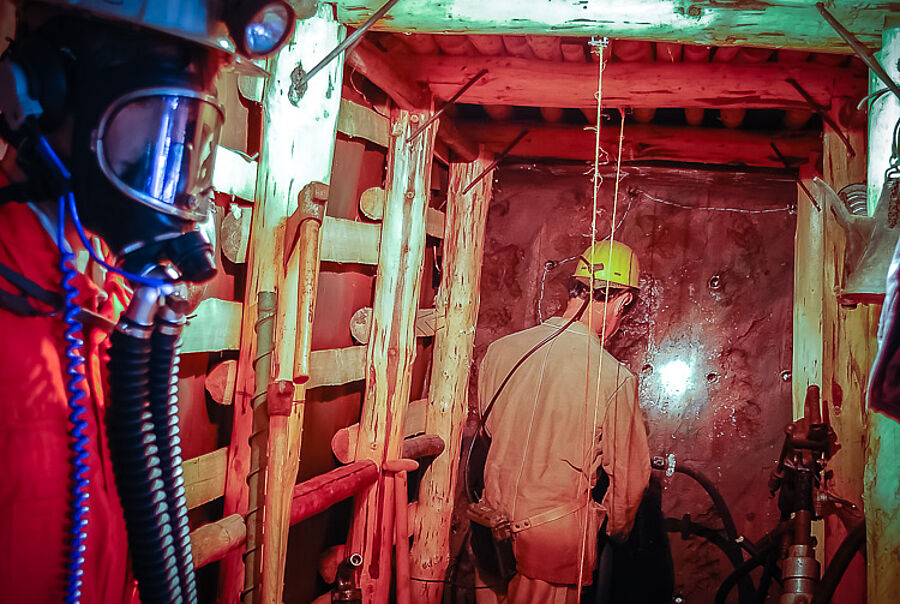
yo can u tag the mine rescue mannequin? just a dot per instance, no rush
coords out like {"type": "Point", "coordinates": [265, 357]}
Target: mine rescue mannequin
{"type": "Point", "coordinates": [545, 453]}
{"type": "Point", "coordinates": [108, 113]}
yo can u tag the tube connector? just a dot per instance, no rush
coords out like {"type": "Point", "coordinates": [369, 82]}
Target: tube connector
{"type": "Point", "coordinates": [345, 589]}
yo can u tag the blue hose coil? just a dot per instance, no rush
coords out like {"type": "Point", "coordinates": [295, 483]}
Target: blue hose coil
{"type": "Point", "coordinates": [77, 424]}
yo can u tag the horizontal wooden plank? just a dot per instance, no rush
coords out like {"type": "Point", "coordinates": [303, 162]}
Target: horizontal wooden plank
{"type": "Point", "coordinates": [357, 121]}
{"type": "Point", "coordinates": [770, 24]}
{"type": "Point", "coordinates": [204, 477]}
{"type": "Point", "coordinates": [234, 174]}
{"type": "Point", "coordinates": [213, 540]}
{"type": "Point", "coordinates": [213, 326]}
{"type": "Point", "coordinates": [336, 366]}
{"type": "Point", "coordinates": [348, 241]}
{"type": "Point", "coordinates": [515, 81]}
{"type": "Point", "coordinates": [644, 142]}
{"type": "Point", "coordinates": [371, 204]}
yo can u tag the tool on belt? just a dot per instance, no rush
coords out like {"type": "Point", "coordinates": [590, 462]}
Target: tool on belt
{"type": "Point", "coordinates": [491, 529]}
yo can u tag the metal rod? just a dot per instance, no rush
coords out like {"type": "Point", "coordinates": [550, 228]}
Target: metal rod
{"type": "Point", "coordinates": [861, 51]}
{"type": "Point", "coordinates": [497, 160]}
{"type": "Point", "coordinates": [799, 181]}
{"type": "Point", "coordinates": [348, 43]}
{"type": "Point", "coordinates": [444, 107]}
{"type": "Point", "coordinates": [823, 114]}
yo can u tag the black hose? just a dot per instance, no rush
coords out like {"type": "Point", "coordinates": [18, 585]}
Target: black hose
{"type": "Point", "coordinates": [741, 572]}
{"type": "Point", "coordinates": [164, 362]}
{"type": "Point", "coordinates": [855, 541]}
{"type": "Point", "coordinates": [745, 588]}
{"type": "Point", "coordinates": [137, 470]}
{"type": "Point", "coordinates": [715, 495]}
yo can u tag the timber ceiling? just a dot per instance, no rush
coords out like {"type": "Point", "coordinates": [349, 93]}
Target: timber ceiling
{"type": "Point", "coordinates": [704, 104]}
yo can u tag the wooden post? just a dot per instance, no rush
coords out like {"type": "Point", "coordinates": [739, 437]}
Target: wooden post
{"type": "Point", "coordinates": [848, 353]}
{"type": "Point", "coordinates": [292, 353]}
{"type": "Point", "coordinates": [392, 343]}
{"type": "Point", "coordinates": [299, 131]}
{"type": "Point", "coordinates": [883, 437]}
{"type": "Point", "coordinates": [458, 300]}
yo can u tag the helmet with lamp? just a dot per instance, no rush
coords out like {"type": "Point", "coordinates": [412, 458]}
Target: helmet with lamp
{"type": "Point", "coordinates": [122, 92]}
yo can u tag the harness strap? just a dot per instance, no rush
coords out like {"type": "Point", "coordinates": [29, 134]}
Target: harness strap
{"type": "Point", "coordinates": [560, 511]}
{"type": "Point", "coordinates": [20, 304]}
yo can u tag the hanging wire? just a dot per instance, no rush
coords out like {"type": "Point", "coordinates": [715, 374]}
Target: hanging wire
{"type": "Point", "coordinates": [674, 204]}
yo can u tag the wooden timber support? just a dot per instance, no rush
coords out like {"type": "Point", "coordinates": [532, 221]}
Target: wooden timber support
{"type": "Point", "coordinates": [458, 300]}
{"type": "Point", "coordinates": [315, 495]}
{"type": "Point", "coordinates": [373, 64]}
{"type": "Point", "coordinates": [301, 247]}
{"type": "Point", "coordinates": [775, 24]}
{"type": "Point", "coordinates": [882, 475]}
{"type": "Point", "coordinates": [284, 169]}
{"type": "Point", "coordinates": [392, 343]}
{"type": "Point", "coordinates": [646, 84]}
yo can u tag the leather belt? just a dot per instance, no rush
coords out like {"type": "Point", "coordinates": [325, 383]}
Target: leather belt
{"type": "Point", "coordinates": [550, 515]}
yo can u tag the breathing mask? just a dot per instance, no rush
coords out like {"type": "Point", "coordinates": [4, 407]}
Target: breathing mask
{"type": "Point", "coordinates": [130, 116]}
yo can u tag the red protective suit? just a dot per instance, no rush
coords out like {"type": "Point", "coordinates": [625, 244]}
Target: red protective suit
{"type": "Point", "coordinates": [34, 441]}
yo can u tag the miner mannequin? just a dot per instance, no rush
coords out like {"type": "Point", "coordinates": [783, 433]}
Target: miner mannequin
{"type": "Point", "coordinates": [112, 127]}
{"type": "Point", "coordinates": [568, 411]}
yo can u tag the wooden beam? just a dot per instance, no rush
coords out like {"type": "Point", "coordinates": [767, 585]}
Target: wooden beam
{"type": "Point", "coordinates": [299, 131]}
{"type": "Point", "coordinates": [204, 477]}
{"type": "Point", "coordinates": [849, 349]}
{"type": "Point", "coordinates": [357, 121]}
{"type": "Point", "coordinates": [234, 173]}
{"type": "Point", "coordinates": [428, 321]}
{"type": "Point", "coordinates": [371, 204]}
{"type": "Point", "coordinates": [392, 344]}
{"type": "Point", "coordinates": [653, 143]}
{"type": "Point", "coordinates": [516, 81]}
{"type": "Point", "coordinates": [214, 325]}
{"type": "Point", "coordinates": [317, 494]}
{"type": "Point", "coordinates": [336, 366]}
{"type": "Point", "coordinates": [215, 540]}
{"type": "Point", "coordinates": [458, 300]}
{"type": "Point", "coordinates": [344, 441]}
{"type": "Point", "coordinates": [779, 23]}
{"type": "Point", "coordinates": [220, 382]}
{"type": "Point", "coordinates": [348, 241]}
{"type": "Point", "coordinates": [883, 435]}
{"type": "Point", "coordinates": [379, 68]}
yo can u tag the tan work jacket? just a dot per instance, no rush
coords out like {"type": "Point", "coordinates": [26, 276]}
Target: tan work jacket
{"type": "Point", "coordinates": [553, 425]}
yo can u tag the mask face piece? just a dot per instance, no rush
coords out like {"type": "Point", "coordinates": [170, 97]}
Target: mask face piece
{"type": "Point", "coordinates": [158, 146]}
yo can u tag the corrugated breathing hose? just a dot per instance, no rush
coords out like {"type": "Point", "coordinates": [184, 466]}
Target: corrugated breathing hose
{"type": "Point", "coordinates": [164, 360]}
{"type": "Point", "coordinates": [137, 467]}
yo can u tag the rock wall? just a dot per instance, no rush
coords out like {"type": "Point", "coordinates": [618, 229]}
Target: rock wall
{"type": "Point", "coordinates": [710, 337]}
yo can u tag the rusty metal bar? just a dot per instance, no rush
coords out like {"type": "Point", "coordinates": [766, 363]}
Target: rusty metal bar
{"type": "Point", "coordinates": [444, 107]}
{"type": "Point", "coordinates": [497, 160]}
{"type": "Point", "coordinates": [823, 114]}
{"type": "Point", "coordinates": [799, 182]}
{"type": "Point", "coordinates": [861, 51]}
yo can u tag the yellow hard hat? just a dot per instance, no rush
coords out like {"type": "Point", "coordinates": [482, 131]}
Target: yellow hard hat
{"type": "Point", "coordinates": [611, 261]}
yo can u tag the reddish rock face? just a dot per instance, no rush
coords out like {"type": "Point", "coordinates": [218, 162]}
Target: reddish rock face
{"type": "Point", "coordinates": [710, 336]}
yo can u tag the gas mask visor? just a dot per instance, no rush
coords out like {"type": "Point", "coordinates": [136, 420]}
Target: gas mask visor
{"type": "Point", "coordinates": [158, 147]}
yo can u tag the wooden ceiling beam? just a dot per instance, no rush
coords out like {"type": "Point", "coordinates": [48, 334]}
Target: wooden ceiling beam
{"type": "Point", "coordinates": [516, 81]}
{"type": "Point", "coordinates": [651, 143]}
{"type": "Point", "coordinates": [770, 24]}
{"type": "Point", "coordinates": [376, 66]}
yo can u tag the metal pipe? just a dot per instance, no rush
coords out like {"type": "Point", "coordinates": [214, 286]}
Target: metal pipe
{"type": "Point", "coordinates": [348, 43]}
{"type": "Point", "coordinates": [262, 365]}
{"type": "Point", "coordinates": [861, 51]}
